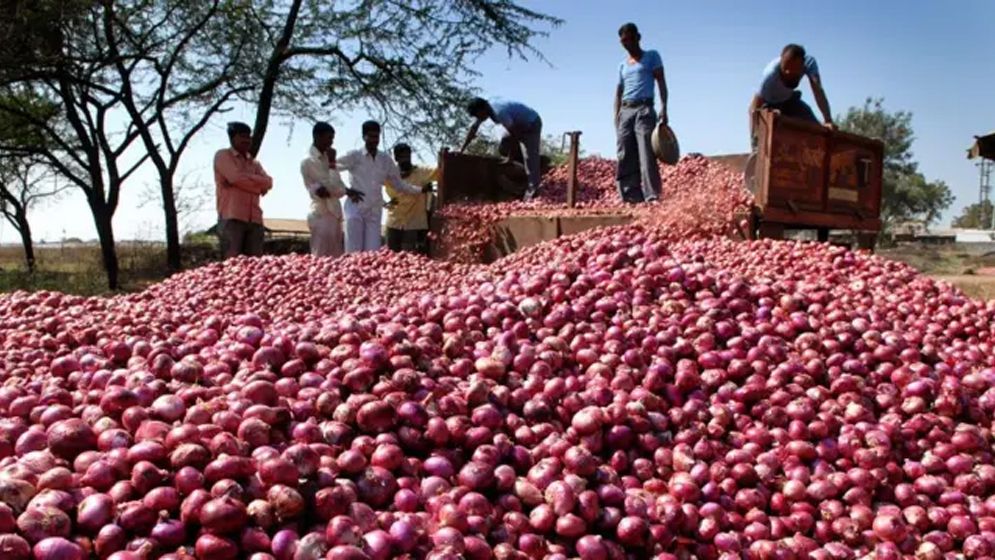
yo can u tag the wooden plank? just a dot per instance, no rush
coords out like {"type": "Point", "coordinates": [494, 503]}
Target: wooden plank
{"type": "Point", "coordinates": [576, 224]}
{"type": "Point", "coordinates": [516, 232]}
{"type": "Point", "coordinates": [798, 161]}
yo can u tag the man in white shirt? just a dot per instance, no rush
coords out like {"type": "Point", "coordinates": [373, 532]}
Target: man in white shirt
{"type": "Point", "coordinates": [326, 189]}
{"type": "Point", "coordinates": [369, 169]}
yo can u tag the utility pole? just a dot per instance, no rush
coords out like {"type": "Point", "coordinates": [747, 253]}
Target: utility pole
{"type": "Point", "coordinates": [984, 193]}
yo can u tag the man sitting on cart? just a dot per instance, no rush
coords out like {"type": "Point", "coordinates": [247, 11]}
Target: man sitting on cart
{"type": "Point", "coordinates": [779, 88]}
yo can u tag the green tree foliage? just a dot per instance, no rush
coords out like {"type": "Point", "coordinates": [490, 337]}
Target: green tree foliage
{"type": "Point", "coordinates": [975, 216]}
{"type": "Point", "coordinates": [165, 68]}
{"type": "Point", "coordinates": [907, 194]}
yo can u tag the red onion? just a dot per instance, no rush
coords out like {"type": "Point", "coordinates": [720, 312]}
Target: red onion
{"type": "Point", "coordinates": [57, 548]}
{"type": "Point", "coordinates": [14, 547]}
{"type": "Point", "coordinates": [39, 523]}
{"type": "Point", "coordinates": [211, 546]}
{"type": "Point", "coordinates": [223, 515]}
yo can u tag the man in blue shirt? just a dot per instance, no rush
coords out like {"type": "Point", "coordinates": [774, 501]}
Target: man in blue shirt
{"type": "Point", "coordinates": [635, 118]}
{"type": "Point", "coordinates": [522, 126]}
{"type": "Point", "coordinates": [779, 88]}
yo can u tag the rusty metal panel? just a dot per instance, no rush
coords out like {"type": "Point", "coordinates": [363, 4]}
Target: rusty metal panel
{"type": "Point", "coordinates": [471, 178]}
{"type": "Point", "coordinates": [464, 177]}
{"type": "Point", "coordinates": [797, 166]}
{"type": "Point", "coordinates": [516, 232]}
{"type": "Point", "coordinates": [576, 224]}
{"type": "Point", "coordinates": [809, 176]}
{"type": "Point", "coordinates": [855, 176]}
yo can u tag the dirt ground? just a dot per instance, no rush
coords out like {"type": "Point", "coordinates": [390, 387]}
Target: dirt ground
{"type": "Point", "coordinates": [971, 268]}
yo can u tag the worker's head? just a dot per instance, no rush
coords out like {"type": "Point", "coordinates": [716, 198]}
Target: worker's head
{"type": "Point", "coordinates": [479, 108]}
{"type": "Point", "coordinates": [323, 136]}
{"type": "Point", "coordinates": [402, 155]}
{"type": "Point", "coordinates": [629, 36]}
{"type": "Point", "coordinates": [240, 137]}
{"type": "Point", "coordinates": [371, 135]}
{"type": "Point", "coordinates": [792, 64]}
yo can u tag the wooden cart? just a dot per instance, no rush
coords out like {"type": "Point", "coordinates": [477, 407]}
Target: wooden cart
{"type": "Point", "coordinates": [805, 176]}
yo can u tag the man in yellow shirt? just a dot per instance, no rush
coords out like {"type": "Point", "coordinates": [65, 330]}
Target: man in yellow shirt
{"type": "Point", "coordinates": [407, 214]}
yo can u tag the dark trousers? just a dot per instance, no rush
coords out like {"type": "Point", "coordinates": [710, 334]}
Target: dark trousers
{"type": "Point", "coordinates": [795, 108]}
{"type": "Point", "coordinates": [414, 240]}
{"type": "Point", "coordinates": [529, 144]}
{"type": "Point", "coordinates": [637, 174]}
{"type": "Point", "coordinates": [240, 238]}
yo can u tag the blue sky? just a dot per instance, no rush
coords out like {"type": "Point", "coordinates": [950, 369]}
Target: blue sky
{"type": "Point", "coordinates": [932, 58]}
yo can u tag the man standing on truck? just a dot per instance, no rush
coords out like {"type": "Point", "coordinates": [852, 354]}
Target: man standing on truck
{"type": "Point", "coordinates": [779, 88]}
{"type": "Point", "coordinates": [522, 126]}
{"type": "Point", "coordinates": [407, 214]}
{"type": "Point", "coordinates": [637, 174]}
{"type": "Point", "coordinates": [326, 189]}
{"type": "Point", "coordinates": [369, 169]}
{"type": "Point", "coordinates": [239, 182]}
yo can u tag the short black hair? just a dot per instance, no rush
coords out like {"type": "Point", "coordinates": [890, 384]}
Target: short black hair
{"type": "Point", "coordinates": [370, 126]}
{"type": "Point", "coordinates": [235, 128]}
{"type": "Point", "coordinates": [628, 27]}
{"type": "Point", "coordinates": [476, 105]}
{"type": "Point", "coordinates": [401, 147]}
{"type": "Point", "coordinates": [793, 50]}
{"type": "Point", "coordinates": [322, 127]}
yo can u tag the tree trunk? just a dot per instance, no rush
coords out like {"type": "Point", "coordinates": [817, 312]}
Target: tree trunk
{"type": "Point", "coordinates": [102, 216]}
{"type": "Point", "coordinates": [29, 248]}
{"type": "Point", "coordinates": [173, 249]}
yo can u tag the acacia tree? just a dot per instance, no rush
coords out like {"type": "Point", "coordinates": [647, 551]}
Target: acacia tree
{"type": "Point", "coordinates": [23, 183]}
{"type": "Point", "coordinates": [166, 67]}
{"type": "Point", "coordinates": [177, 62]}
{"type": "Point", "coordinates": [408, 63]}
{"type": "Point", "coordinates": [65, 94]}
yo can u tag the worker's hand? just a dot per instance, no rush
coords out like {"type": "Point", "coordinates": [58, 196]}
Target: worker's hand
{"type": "Point", "coordinates": [830, 125]}
{"type": "Point", "coordinates": [322, 192]}
{"type": "Point", "coordinates": [390, 203]}
{"type": "Point", "coordinates": [354, 195]}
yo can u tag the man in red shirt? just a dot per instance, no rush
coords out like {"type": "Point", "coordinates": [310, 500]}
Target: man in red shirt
{"type": "Point", "coordinates": [239, 183]}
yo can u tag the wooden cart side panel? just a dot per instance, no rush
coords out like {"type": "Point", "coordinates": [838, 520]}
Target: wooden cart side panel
{"type": "Point", "coordinates": [809, 176]}
{"type": "Point", "coordinates": [465, 177]}
{"type": "Point", "coordinates": [855, 179]}
{"type": "Point", "coordinates": [798, 159]}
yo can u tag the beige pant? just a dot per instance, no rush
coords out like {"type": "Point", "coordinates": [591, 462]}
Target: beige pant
{"type": "Point", "coordinates": [327, 237]}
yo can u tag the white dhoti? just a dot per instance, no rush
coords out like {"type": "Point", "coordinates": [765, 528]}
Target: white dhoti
{"type": "Point", "coordinates": [327, 235]}
{"type": "Point", "coordinates": [363, 228]}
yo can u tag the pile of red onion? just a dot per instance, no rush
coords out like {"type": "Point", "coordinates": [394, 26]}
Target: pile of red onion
{"type": "Point", "coordinates": [648, 391]}
{"type": "Point", "coordinates": [699, 198]}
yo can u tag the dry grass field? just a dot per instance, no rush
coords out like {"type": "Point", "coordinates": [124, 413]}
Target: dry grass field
{"type": "Point", "coordinates": [78, 269]}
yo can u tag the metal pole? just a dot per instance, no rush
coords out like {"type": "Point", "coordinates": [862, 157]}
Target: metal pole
{"type": "Point", "coordinates": [572, 181]}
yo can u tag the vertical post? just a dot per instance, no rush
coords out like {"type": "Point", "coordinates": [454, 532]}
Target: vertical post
{"type": "Point", "coordinates": [572, 180]}
{"type": "Point", "coordinates": [440, 185]}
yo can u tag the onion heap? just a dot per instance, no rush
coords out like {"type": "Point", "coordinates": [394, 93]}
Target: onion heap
{"type": "Point", "coordinates": [699, 198]}
{"type": "Point", "coordinates": [654, 390]}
